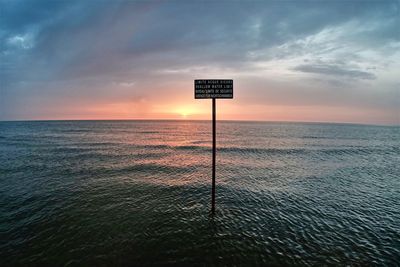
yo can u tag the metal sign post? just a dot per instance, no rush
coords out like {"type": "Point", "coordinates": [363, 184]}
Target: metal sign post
{"type": "Point", "coordinates": [206, 89]}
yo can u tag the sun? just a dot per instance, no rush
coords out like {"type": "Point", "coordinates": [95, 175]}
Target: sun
{"type": "Point", "coordinates": [185, 112]}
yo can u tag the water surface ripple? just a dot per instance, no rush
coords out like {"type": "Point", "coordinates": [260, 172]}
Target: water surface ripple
{"type": "Point", "coordinates": [117, 193]}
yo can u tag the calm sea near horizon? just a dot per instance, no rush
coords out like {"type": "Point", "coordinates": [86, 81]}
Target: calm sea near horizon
{"type": "Point", "coordinates": [137, 193]}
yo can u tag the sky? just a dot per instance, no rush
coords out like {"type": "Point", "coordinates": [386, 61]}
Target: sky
{"type": "Point", "coordinates": [317, 61]}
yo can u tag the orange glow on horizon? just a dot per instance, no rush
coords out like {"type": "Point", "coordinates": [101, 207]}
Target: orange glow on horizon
{"type": "Point", "coordinates": [187, 108]}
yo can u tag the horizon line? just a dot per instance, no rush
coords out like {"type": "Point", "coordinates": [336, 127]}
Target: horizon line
{"type": "Point", "coordinates": [205, 120]}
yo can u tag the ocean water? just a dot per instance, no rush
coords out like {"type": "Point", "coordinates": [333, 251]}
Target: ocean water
{"type": "Point", "coordinates": [117, 193]}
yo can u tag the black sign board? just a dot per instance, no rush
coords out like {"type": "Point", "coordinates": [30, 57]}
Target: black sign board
{"type": "Point", "coordinates": [204, 89]}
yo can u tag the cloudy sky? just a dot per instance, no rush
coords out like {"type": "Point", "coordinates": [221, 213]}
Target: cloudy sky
{"type": "Point", "coordinates": [334, 61]}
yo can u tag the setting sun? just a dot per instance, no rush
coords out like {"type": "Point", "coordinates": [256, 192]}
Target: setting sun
{"type": "Point", "coordinates": [185, 111]}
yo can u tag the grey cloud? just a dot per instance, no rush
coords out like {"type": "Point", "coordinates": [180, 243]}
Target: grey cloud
{"type": "Point", "coordinates": [267, 91]}
{"type": "Point", "coordinates": [96, 37]}
{"type": "Point", "coordinates": [335, 70]}
{"type": "Point", "coordinates": [87, 43]}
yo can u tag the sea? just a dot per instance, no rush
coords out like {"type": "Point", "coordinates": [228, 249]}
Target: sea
{"type": "Point", "coordinates": [138, 193]}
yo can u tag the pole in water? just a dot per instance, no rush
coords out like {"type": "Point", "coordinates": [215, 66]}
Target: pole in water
{"type": "Point", "coordinates": [206, 89]}
{"type": "Point", "coordinates": [214, 122]}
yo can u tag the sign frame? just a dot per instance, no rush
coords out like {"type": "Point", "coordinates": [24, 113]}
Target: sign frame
{"type": "Point", "coordinates": [213, 88]}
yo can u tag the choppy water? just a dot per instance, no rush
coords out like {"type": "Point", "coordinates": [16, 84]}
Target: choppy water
{"type": "Point", "coordinates": [138, 193]}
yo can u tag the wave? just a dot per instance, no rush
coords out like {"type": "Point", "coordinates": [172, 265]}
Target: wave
{"type": "Point", "coordinates": [152, 167]}
{"type": "Point", "coordinates": [314, 137]}
{"type": "Point", "coordinates": [152, 146]}
{"type": "Point", "coordinates": [200, 142]}
{"type": "Point", "coordinates": [90, 144]}
{"type": "Point", "coordinates": [262, 150]}
{"type": "Point", "coordinates": [144, 168]}
{"type": "Point", "coordinates": [285, 151]}
{"type": "Point", "coordinates": [192, 147]}
{"type": "Point", "coordinates": [74, 131]}
{"type": "Point", "coordinates": [148, 132]}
